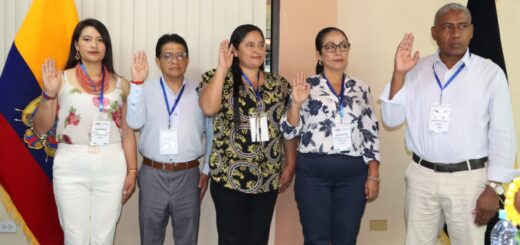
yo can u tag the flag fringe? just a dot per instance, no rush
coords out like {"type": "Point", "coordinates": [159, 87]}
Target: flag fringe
{"type": "Point", "coordinates": [15, 215]}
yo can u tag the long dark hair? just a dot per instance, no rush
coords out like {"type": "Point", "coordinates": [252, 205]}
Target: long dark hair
{"type": "Point", "coordinates": [107, 60]}
{"type": "Point", "coordinates": [318, 42]}
{"type": "Point", "coordinates": [236, 38]}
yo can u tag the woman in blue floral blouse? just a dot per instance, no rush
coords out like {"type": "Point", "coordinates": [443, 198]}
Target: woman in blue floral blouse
{"type": "Point", "coordinates": [337, 168]}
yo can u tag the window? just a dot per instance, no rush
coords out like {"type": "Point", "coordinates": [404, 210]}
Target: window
{"type": "Point", "coordinates": [272, 35]}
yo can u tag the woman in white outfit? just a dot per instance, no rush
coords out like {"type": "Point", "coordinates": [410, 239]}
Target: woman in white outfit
{"type": "Point", "coordinates": [95, 165]}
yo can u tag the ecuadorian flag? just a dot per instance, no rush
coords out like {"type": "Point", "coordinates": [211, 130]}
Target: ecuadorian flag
{"type": "Point", "coordinates": [25, 162]}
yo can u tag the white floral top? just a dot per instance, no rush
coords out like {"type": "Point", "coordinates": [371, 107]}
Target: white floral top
{"type": "Point", "coordinates": [77, 109]}
{"type": "Point", "coordinates": [320, 114]}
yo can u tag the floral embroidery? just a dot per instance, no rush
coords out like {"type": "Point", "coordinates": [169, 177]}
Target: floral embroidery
{"type": "Point", "coordinates": [74, 91]}
{"type": "Point", "coordinates": [95, 100]}
{"type": "Point", "coordinates": [319, 115]}
{"type": "Point", "coordinates": [79, 109]}
{"type": "Point", "coordinates": [64, 139]}
{"type": "Point", "coordinates": [72, 118]}
{"type": "Point", "coordinates": [351, 84]}
{"type": "Point", "coordinates": [307, 139]}
{"type": "Point", "coordinates": [115, 111]}
{"type": "Point", "coordinates": [326, 126]}
{"type": "Point", "coordinates": [314, 106]}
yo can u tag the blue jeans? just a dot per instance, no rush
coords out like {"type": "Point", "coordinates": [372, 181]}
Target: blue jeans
{"type": "Point", "coordinates": [330, 193]}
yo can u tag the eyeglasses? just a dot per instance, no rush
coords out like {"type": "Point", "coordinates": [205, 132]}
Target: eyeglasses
{"type": "Point", "coordinates": [180, 56]}
{"type": "Point", "coordinates": [331, 47]}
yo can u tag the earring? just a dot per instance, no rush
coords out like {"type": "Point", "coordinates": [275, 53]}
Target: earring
{"type": "Point", "coordinates": [77, 56]}
{"type": "Point", "coordinates": [320, 62]}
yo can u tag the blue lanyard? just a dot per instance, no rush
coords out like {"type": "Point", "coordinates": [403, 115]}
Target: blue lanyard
{"type": "Point", "coordinates": [92, 84]}
{"type": "Point", "coordinates": [170, 112]}
{"type": "Point", "coordinates": [341, 96]}
{"type": "Point", "coordinates": [449, 80]}
{"type": "Point", "coordinates": [257, 91]}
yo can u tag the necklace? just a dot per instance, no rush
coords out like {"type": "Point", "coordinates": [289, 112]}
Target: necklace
{"type": "Point", "coordinates": [91, 87]}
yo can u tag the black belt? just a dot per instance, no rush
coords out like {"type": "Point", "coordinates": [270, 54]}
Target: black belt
{"type": "Point", "coordinates": [451, 167]}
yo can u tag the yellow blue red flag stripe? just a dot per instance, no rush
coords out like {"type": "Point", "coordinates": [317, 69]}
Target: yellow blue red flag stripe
{"type": "Point", "coordinates": [26, 173]}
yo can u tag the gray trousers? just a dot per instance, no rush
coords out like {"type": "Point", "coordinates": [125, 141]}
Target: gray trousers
{"type": "Point", "coordinates": [163, 195]}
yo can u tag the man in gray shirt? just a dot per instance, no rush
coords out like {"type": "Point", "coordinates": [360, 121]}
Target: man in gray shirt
{"type": "Point", "coordinates": [171, 126]}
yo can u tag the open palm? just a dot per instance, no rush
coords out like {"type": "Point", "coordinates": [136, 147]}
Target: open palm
{"type": "Point", "coordinates": [300, 89]}
{"type": "Point", "coordinates": [51, 78]}
{"type": "Point", "coordinates": [404, 61]}
{"type": "Point", "coordinates": [139, 66]}
{"type": "Point", "coordinates": [225, 55]}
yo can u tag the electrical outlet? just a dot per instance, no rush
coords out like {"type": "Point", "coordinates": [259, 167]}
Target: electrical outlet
{"type": "Point", "coordinates": [378, 225]}
{"type": "Point", "coordinates": [7, 226]}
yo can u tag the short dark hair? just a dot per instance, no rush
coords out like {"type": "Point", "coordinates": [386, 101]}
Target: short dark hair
{"type": "Point", "coordinates": [96, 24]}
{"type": "Point", "coordinates": [318, 42]}
{"type": "Point", "coordinates": [170, 38]}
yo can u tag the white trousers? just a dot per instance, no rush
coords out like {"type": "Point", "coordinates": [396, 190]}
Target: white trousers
{"type": "Point", "coordinates": [434, 198]}
{"type": "Point", "coordinates": [88, 190]}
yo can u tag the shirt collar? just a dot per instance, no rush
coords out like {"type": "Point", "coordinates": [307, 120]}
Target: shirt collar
{"type": "Point", "coordinates": [466, 59]}
{"type": "Point", "coordinates": [168, 89]}
{"type": "Point", "coordinates": [322, 78]}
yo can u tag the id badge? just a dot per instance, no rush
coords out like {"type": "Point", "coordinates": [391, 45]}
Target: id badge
{"type": "Point", "coordinates": [168, 141]}
{"type": "Point", "coordinates": [264, 129]}
{"type": "Point", "coordinates": [440, 116]}
{"type": "Point", "coordinates": [341, 136]}
{"type": "Point", "coordinates": [253, 126]}
{"type": "Point", "coordinates": [100, 132]}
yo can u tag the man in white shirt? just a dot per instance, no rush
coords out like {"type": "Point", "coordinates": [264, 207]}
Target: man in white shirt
{"type": "Point", "coordinates": [460, 129]}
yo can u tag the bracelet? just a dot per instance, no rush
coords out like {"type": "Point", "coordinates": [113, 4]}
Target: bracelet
{"type": "Point", "coordinates": [374, 178]}
{"type": "Point", "coordinates": [47, 97]}
{"type": "Point", "coordinates": [137, 82]}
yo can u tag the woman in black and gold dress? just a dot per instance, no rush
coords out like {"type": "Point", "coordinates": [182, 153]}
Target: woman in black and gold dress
{"type": "Point", "coordinates": [246, 104]}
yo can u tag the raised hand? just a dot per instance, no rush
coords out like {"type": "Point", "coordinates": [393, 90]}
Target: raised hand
{"type": "Point", "coordinates": [300, 89]}
{"type": "Point", "coordinates": [139, 66]}
{"type": "Point", "coordinates": [404, 61]}
{"type": "Point", "coordinates": [225, 55]}
{"type": "Point", "coordinates": [51, 78]}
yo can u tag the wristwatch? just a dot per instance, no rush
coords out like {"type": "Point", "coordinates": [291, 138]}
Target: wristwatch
{"type": "Point", "coordinates": [497, 187]}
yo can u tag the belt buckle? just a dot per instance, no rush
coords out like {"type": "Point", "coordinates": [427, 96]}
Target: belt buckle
{"type": "Point", "coordinates": [468, 163]}
{"type": "Point", "coordinates": [435, 167]}
{"type": "Point", "coordinates": [163, 166]}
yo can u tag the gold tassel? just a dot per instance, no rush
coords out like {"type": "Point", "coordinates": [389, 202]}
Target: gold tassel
{"type": "Point", "coordinates": [443, 239]}
{"type": "Point", "coordinates": [15, 215]}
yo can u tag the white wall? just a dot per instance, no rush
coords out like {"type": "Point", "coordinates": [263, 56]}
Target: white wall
{"type": "Point", "coordinates": [136, 25]}
{"type": "Point", "coordinates": [375, 28]}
